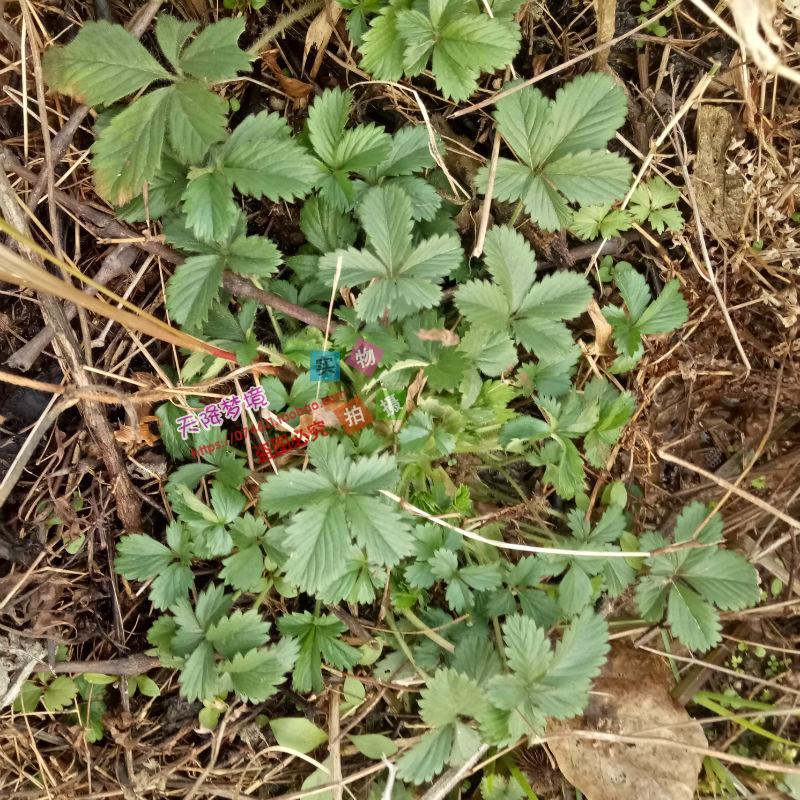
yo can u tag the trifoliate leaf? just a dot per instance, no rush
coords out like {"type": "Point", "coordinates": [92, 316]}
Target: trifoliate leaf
{"type": "Point", "coordinates": [403, 278]}
{"type": "Point", "coordinates": [318, 637]}
{"type": "Point", "coordinates": [101, 65]}
{"type": "Point", "coordinates": [694, 582]}
{"type": "Point", "coordinates": [639, 317]}
{"type": "Point", "coordinates": [653, 202]}
{"type": "Point", "coordinates": [560, 145]}
{"type": "Point", "coordinates": [460, 42]}
{"type": "Point", "coordinates": [543, 682]}
{"type": "Point", "coordinates": [514, 302]}
{"type": "Point", "coordinates": [589, 222]}
{"type": "Point", "coordinates": [446, 700]}
{"type": "Point", "coordinates": [214, 55]}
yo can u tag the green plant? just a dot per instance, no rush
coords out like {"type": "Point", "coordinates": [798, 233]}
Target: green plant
{"type": "Point", "coordinates": [597, 416]}
{"type": "Point", "coordinates": [652, 201]}
{"type": "Point", "coordinates": [560, 147]}
{"type": "Point", "coordinates": [641, 315]}
{"type": "Point", "coordinates": [456, 35]}
{"type": "Point", "coordinates": [105, 63]}
{"type": "Point", "coordinates": [690, 584]}
{"type": "Point", "coordinates": [485, 354]}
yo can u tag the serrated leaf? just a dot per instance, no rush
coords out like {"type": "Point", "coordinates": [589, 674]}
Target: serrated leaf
{"type": "Point", "coordinates": [404, 278]}
{"type": "Point", "coordinates": [585, 114]}
{"type": "Point", "coordinates": [561, 146]}
{"type": "Point", "coordinates": [60, 693]}
{"type": "Point", "coordinates": [164, 192]}
{"type": "Point", "coordinates": [255, 675]}
{"type": "Point", "coordinates": [692, 619]}
{"type": "Point", "coordinates": [197, 119]}
{"type": "Point", "coordinates": [209, 207]}
{"type": "Point", "coordinates": [253, 255]}
{"type": "Point", "coordinates": [382, 47]}
{"type": "Point", "coordinates": [426, 758]}
{"type": "Point", "coordinates": [171, 35]}
{"type": "Point", "coordinates": [193, 288]}
{"type": "Point", "coordinates": [140, 557]}
{"type": "Point", "coordinates": [199, 678]}
{"type": "Point", "coordinates": [171, 584]}
{"type": "Point", "coordinates": [215, 55]}
{"type": "Point", "coordinates": [666, 313]}
{"type": "Point", "coordinates": [128, 151]}
{"type": "Point", "coordinates": [410, 152]}
{"type": "Point", "coordinates": [102, 64]}
{"type": "Point", "coordinates": [262, 160]}
{"type": "Point", "coordinates": [461, 44]}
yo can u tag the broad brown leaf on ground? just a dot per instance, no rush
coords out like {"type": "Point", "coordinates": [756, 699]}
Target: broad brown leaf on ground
{"type": "Point", "coordinates": [632, 698]}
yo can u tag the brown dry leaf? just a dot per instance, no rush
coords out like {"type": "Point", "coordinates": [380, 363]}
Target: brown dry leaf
{"type": "Point", "coordinates": [602, 330]}
{"type": "Point", "coordinates": [441, 335]}
{"type": "Point", "coordinates": [292, 87]}
{"type": "Point", "coordinates": [632, 698]}
{"type": "Point", "coordinates": [720, 196]}
{"type": "Point", "coordinates": [319, 34]}
{"type": "Point", "coordinates": [143, 437]}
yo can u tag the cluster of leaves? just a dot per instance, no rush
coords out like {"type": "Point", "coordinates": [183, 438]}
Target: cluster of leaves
{"type": "Point", "coordinates": [81, 697]}
{"type": "Point", "coordinates": [641, 315]}
{"type": "Point", "coordinates": [491, 371]}
{"type": "Point", "coordinates": [457, 37]}
{"type": "Point", "coordinates": [596, 416]}
{"type": "Point", "coordinates": [691, 582]}
{"type": "Point", "coordinates": [653, 201]}
{"type": "Point", "coordinates": [560, 149]}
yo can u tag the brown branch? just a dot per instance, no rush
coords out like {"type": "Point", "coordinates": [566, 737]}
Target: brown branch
{"type": "Point", "coordinates": [104, 225]}
{"type": "Point", "coordinates": [127, 501]}
{"type": "Point", "coordinates": [130, 665]}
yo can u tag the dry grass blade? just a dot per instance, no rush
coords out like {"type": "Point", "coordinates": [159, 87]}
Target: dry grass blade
{"type": "Point", "coordinates": [19, 271]}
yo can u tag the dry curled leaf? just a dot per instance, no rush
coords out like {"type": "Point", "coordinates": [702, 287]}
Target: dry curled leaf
{"type": "Point", "coordinates": [319, 34]}
{"type": "Point", "coordinates": [292, 87]}
{"type": "Point", "coordinates": [602, 330]}
{"type": "Point", "coordinates": [632, 698]}
{"type": "Point", "coordinates": [441, 335]}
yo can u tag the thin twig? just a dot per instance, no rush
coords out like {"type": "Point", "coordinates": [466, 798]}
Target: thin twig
{"type": "Point", "coordinates": [738, 491]}
{"type": "Point", "coordinates": [524, 548]}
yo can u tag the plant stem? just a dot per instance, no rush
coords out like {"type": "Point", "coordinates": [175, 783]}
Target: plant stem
{"type": "Point", "coordinates": [401, 643]}
{"type": "Point", "coordinates": [423, 628]}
